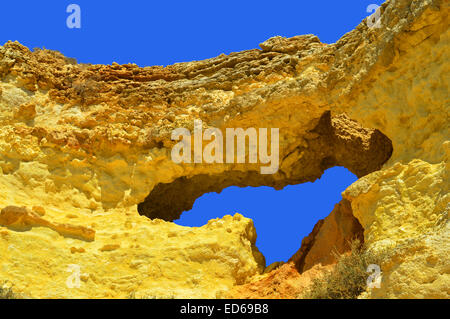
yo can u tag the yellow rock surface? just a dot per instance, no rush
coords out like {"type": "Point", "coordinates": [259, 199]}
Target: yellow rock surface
{"type": "Point", "coordinates": [405, 209]}
{"type": "Point", "coordinates": [90, 146]}
{"type": "Point", "coordinates": [131, 255]}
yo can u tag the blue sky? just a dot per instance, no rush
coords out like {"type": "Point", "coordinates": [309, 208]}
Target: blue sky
{"type": "Point", "coordinates": [148, 32]}
{"type": "Point", "coordinates": [164, 32]}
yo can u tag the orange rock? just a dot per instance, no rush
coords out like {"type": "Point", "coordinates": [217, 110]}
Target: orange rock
{"type": "Point", "coordinates": [329, 236]}
{"type": "Point", "coordinates": [38, 209]}
{"type": "Point", "coordinates": [282, 283]}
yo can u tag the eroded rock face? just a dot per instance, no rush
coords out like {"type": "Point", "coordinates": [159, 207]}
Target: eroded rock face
{"type": "Point", "coordinates": [131, 255]}
{"type": "Point", "coordinates": [404, 209]}
{"type": "Point", "coordinates": [330, 236]}
{"type": "Point", "coordinates": [22, 219]}
{"type": "Point", "coordinates": [89, 143]}
{"type": "Point", "coordinates": [333, 142]}
{"type": "Point", "coordinates": [284, 282]}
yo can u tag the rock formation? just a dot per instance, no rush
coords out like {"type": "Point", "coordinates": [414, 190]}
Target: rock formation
{"type": "Point", "coordinates": [90, 144]}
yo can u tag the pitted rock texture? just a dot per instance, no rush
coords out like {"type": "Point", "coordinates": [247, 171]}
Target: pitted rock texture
{"type": "Point", "coordinates": [89, 143]}
{"type": "Point", "coordinates": [104, 131]}
{"type": "Point", "coordinates": [132, 255]}
{"type": "Point", "coordinates": [404, 209]}
{"type": "Point", "coordinates": [333, 142]}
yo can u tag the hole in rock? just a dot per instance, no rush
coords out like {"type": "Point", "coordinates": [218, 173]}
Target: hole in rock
{"type": "Point", "coordinates": [282, 218]}
{"type": "Point", "coordinates": [284, 207]}
{"type": "Point", "coordinates": [334, 141]}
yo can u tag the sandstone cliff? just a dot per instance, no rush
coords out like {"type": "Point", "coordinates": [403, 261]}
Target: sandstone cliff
{"type": "Point", "coordinates": [85, 160]}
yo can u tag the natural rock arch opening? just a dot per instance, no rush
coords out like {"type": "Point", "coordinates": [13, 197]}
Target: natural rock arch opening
{"type": "Point", "coordinates": [334, 141]}
{"type": "Point", "coordinates": [282, 218]}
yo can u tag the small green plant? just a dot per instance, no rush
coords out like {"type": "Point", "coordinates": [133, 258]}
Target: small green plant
{"type": "Point", "coordinates": [348, 279]}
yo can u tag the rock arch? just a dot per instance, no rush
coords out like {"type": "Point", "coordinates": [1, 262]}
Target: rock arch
{"type": "Point", "coordinates": [334, 141]}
